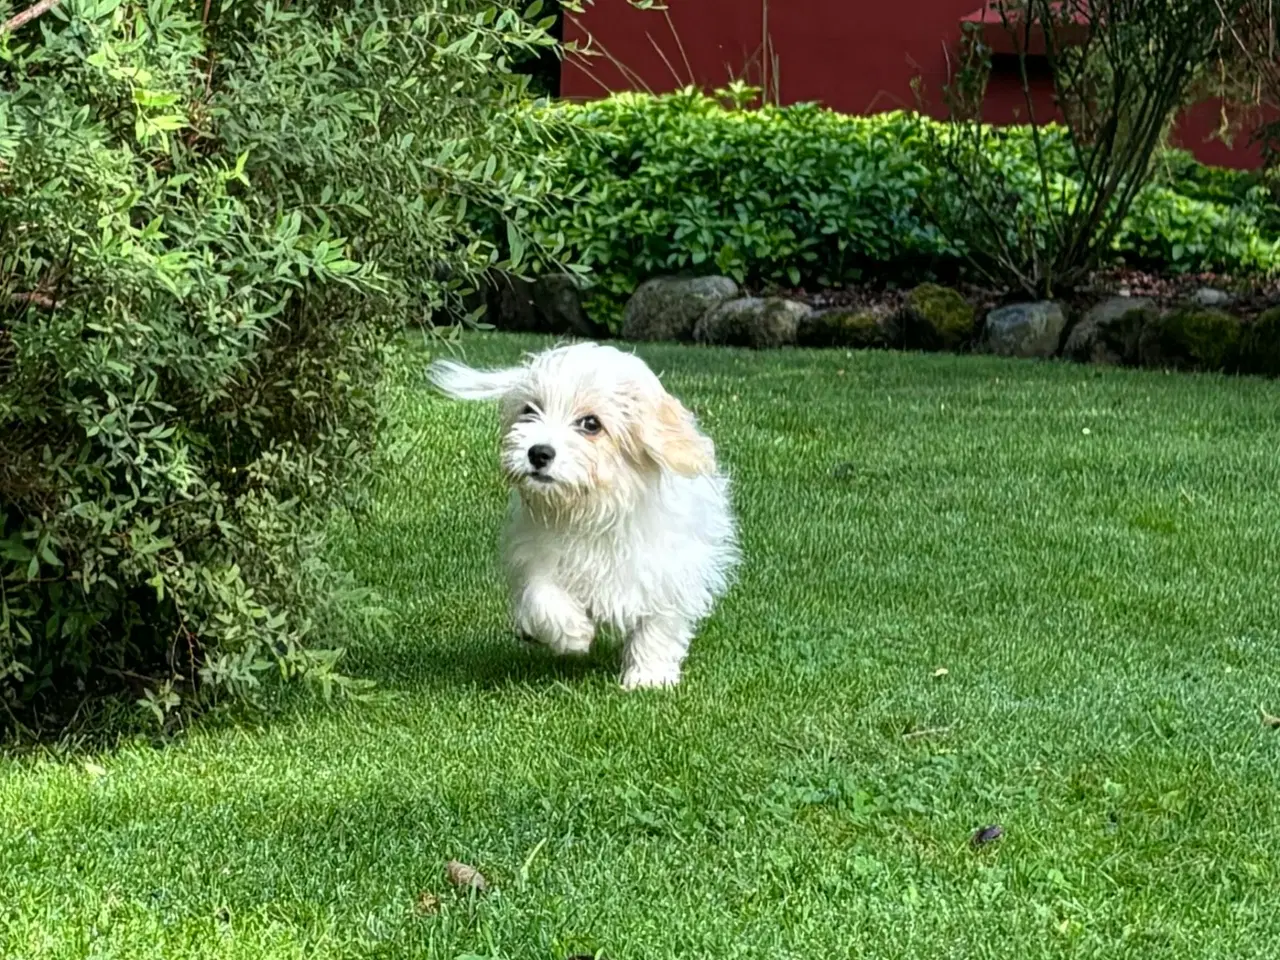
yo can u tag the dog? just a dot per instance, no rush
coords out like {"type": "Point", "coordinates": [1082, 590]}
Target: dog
{"type": "Point", "coordinates": [619, 515]}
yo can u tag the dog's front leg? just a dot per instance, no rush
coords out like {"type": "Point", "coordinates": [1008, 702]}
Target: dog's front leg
{"type": "Point", "coordinates": [548, 615]}
{"type": "Point", "coordinates": [654, 653]}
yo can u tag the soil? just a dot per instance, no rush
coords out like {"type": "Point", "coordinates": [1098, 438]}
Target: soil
{"type": "Point", "coordinates": [1250, 297]}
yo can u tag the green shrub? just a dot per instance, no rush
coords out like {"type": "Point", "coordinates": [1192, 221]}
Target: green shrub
{"type": "Point", "coordinates": [796, 195]}
{"type": "Point", "coordinates": [210, 233]}
{"type": "Point", "coordinates": [802, 196]}
{"type": "Point", "coordinates": [1169, 230]}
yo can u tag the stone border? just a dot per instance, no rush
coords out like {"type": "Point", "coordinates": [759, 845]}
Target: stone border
{"type": "Point", "coordinates": [1199, 334]}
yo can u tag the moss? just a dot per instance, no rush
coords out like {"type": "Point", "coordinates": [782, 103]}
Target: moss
{"type": "Point", "coordinates": [1193, 338]}
{"type": "Point", "coordinates": [938, 314]}
{"type": "Point", "coordinates": [859, 329]}
{"type": "Point", "coordinates": [1260, 345]}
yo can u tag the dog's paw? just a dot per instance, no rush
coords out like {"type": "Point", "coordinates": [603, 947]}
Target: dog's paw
{"type": "Point", "coordinates": [567, 645]}
{"type": "Point", "coordinates": [561, 645]}
{"type": "Point", "coordinates": [650, 679]}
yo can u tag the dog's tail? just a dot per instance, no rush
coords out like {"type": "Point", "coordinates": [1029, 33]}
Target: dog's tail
{"type": "Point", "coordinates": [464, 383]}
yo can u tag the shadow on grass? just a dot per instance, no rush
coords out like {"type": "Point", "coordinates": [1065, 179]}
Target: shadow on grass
{"type": "Point", "coordinates": [490, 661]}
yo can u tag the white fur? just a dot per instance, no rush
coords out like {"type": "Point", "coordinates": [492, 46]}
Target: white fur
{"type": "Point", "coordinates": [628, 527]}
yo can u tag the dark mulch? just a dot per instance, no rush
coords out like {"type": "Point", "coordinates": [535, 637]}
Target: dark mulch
{"type": "Point", "coordinates": [1250, 297]}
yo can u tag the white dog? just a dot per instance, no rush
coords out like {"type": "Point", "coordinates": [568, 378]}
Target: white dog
{"type": "Point", "coordinates": [619, 515]}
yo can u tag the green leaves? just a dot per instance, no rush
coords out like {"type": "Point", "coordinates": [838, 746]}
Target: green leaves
{"type": "Point", "coordinates": [769, 197]}
{"type": "Point", "coordinates": [223, 227]}
{"type": "Point", "coordinates": [801, 196]}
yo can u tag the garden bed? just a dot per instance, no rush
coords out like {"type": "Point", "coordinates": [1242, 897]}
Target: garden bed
{"type": "Point", "coordinates": [1121, 317]}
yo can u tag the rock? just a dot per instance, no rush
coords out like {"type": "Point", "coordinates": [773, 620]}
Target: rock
{"type": "Point", "coordinates": [1025, 329]}
{"type": "Point", "coordinates": [752, 322]}
{"type": "Point", "coordinates": [1109, 332]}
{"type": "Point", "coordinates": [509, 305]}
{"type": "Point", "coordinates": [558, 298]}
{"type": "Point", "coordinates": [1260, 345]}
{"type": "Point", "coordinates": [841, 327]}
{"type": "Point", "coordinates": [1193, 338]}
{"type": "Point", "coordinates": [668, 308]}
{"type": "Point", "coordinates": [933, 317]}
{"type": "Point", "coordinates": [1211, 297]}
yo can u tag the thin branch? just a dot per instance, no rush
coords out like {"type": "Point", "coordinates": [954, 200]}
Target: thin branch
{"type": "Point", "coordinates": [42, 300]}
{"type": "Point", "coordinates": [679, 45]}
{"type": "Point", "coordinates": [20, 20]}
{"type": "Point", "coordinates": [594, 43]}
{"type": "Point", "coordinates": [675, 76]}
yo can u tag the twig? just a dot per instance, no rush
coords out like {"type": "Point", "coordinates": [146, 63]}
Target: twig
{"type": "Point", "coordinates": [628, 74]}
{"type": "Point", "coordinates": [20, 20]}
{"type": "Point", "coordinates": [679, 46]}
{"type": "Point", "coordinates": [35, 299]}
{"type": "Point", "coordinates": [658, 49]}
{"type": "Point", "coordinates": [764, 46]}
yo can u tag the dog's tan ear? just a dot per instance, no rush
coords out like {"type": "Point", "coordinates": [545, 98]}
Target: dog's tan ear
{"type": "Point", "coordinates": [670, 435]}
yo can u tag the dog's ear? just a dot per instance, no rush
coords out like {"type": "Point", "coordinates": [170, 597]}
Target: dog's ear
{"type": "Point", "coordinates": [670, 436]}
{"type": "Point", "coordinates": [463, 383]}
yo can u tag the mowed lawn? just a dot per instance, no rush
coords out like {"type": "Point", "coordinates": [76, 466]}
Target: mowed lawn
{"type": "Point", "coordinates": [976, 593]}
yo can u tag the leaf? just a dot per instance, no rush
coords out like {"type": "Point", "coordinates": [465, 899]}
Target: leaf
{"type": "Point", "coordinates": [515, 243]}
{"type": "Point", "coordinates": [1268, 720]}
{"type": "Point", "coordinates": [463, 875]}
{"type": "Point", "coordinates": [94, 769]}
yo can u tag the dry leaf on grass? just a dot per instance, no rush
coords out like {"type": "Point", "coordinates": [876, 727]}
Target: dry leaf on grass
{"type": "Point", "coordinates": [461, 875]}
{"type": "Point", "coordinates": [426, 904]}
{"type": "Point", "coordinates": [1268, 720]}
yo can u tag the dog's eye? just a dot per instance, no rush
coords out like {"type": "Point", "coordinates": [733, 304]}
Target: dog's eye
{"type": "Point", "coordinates": [590, 424]}
{"type": "Point", "coordinates": [528, 411]}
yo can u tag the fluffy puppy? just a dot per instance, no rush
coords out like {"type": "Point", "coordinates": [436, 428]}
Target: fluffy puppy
{"type": "Point", "coordinates": [619, 515]}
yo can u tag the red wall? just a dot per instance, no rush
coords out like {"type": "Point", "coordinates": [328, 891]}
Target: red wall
{"type": "Point", "coordinates": [855, 56]}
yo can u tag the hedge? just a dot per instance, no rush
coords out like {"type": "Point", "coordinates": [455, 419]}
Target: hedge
{"type": "Point", "coordinates": [213, 221]}
{"type": "Point", "coordinates": [803, 196]}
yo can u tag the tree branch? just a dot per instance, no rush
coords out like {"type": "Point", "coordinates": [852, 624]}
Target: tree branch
{"type": "Point", "coordinates": [36, 299]}
{"type": "Point", "coordinates": [20, 20]}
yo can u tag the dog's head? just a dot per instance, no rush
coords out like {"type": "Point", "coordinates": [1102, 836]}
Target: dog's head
{"type": "Point", "coordinates": [583, 420]}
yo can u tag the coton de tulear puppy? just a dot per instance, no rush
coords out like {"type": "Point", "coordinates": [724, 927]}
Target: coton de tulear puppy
{"type": "Point", "coordinates": [619, 515]}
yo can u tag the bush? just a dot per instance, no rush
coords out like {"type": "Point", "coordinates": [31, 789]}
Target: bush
{"type": "Point", "coordinates": [211, 232]}
{"type": "Point", "coordinates": [801, 196]}
{"type": "Point", "coordinates": [1121, 70]}
{"type": "Point", "coordinates": [796, 195]}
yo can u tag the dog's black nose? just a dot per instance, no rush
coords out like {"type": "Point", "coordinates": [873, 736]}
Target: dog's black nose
{"type": "Point", "coordinates": [540, 455]}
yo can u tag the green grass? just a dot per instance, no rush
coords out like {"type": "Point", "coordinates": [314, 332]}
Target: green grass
{"type": "Point", "coordinates": [1093, 557]}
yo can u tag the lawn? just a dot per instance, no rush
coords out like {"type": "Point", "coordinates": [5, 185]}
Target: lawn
{"type": "Point", "coordinates": [976, 592]}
